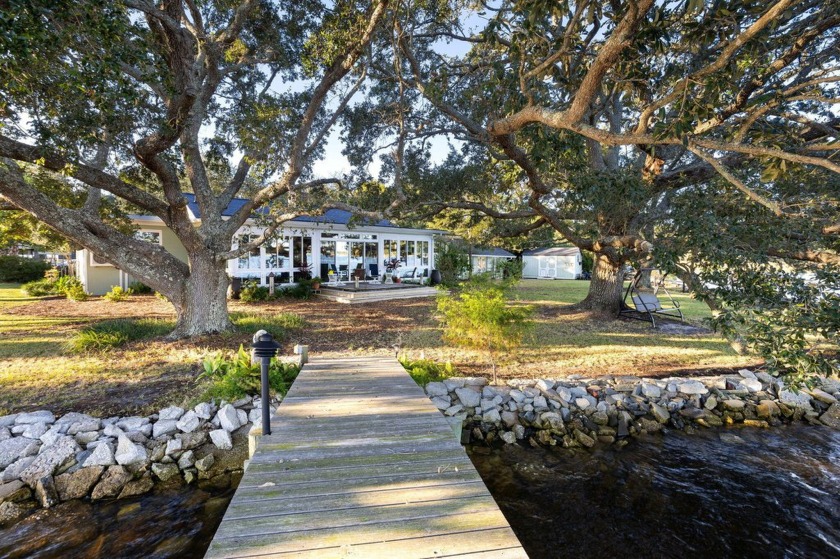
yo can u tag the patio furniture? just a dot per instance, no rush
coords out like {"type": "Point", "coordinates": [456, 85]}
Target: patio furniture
{"type": "Point", "coordinates": [373, 271]}
{"type": "Point", "coordinates": [409, 277]}
{"type": "Point", "coordinates": [343, 272]}
{"type": "Point", "coordinates": [645, 300]}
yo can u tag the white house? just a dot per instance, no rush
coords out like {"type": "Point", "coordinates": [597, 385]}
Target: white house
{"type": "Point", "coordinates": [319, 243]}
{"type": "Point", "coordinates": [486, 259]}
{"type": "Point", "coordinates": [552, 263]}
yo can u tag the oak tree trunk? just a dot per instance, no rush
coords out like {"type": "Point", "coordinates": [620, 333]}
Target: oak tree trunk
{"type": "Point", "coordinates": [202, 305]}
{"type": "Point", "coordinates": [606, 288]}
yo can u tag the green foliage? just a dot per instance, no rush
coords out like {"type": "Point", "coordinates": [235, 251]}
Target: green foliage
{"type": "Point", "coordinates": [481, 317]}
{"type": "Point", "coordinates": [275, 324]}
{"type": "Point", "coordinates": [109, 334]}
{"type": "Point", "coordinates": [14, 269]}
{"type": "Point", "coordinates": [235, 376]}
{"type": "Point", "coordinates": [303, 290]}
{"type": "Point", "coordinates": [117, 294]}
{"type": "Point", "coordinates": [510, 270]}
{"type": "Point", "coordinates": [792, 321]}
{"type": "Point", "coordinates": [452, 261]}
{"type": "Point", "coordinates": [424, 371]}
{"type": "Point", "coordinates": [39, 288]}
{"type": "Point", "coordinates": [71, 288]}
{"type": "Point", "coordinates": [253, 292]}
{"type": "Point", "coordinates": [140, 288]}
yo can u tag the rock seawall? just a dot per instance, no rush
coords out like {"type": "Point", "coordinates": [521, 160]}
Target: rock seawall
{"type": "Point", "coordinates": [583, 412]}
{"type": "Point", "coordinates": [45, 460]}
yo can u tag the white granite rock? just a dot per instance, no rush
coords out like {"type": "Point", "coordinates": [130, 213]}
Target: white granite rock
{"type": "Point", "coordinates": [112, 431]}
{"type": "Point", "coordinates": [692, 387]}
{"type": "Point", "coordinates": [15, 448]}
{"type": "Point", "coordinates": [228, 418]}
{"type": "Point", "coordinates": [40, 416]}
{"type": "Point", "coordinates": [436, 389]}
{"type": "Point", "coordinates": [469, 397]}
{"type": "Point", "coordinates": [132, 423]}
{"type": "Point", "coordinates": [174, 445]}
{"type": "Point", "coordinates": [752, 384]}
{"type": "Point", "coordinates": [582, 403]}
{"type": "Point", "coordinates": [187, 460]}
{"type": "Point", "coordinates": [8, 420]}
{"type": "Point", "coordinates": [650, 390]}
{"type": "Point", "coordinates": [35, 430]}
{"type": "Point", "coordinates": [242, 416]}
{"type": "Point", "coordinates": [221, 438]}
{"type": "Point", "coordinates": [189, 422]}
{"type": "Point", "coordinates": [164, 427]}
{"type": "Point", "coordinates": [50, 459]}
{"type": "Point", "coordinates": [172, 412]}
{"type": "Point", "coordinates": [204, 410]}
{"type": "Point", "coordinates": [746, 373]}
{"type": "Point", "coordinates": [102, 455]}
{"type": "Point", "coordinates": [128, 453]}
{"type": "Point", "coordinates": [13, 471]}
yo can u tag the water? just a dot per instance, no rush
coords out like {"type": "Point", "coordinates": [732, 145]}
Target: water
{"type": "Point", "coordinates": [733, 493]}
{"type": "Point", "coordinates": [172, 523]}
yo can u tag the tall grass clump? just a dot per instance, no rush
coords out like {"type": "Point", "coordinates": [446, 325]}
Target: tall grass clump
{"type": "Point", "coordinates": [424, 371]}
{"type": "Point", "coordinates": [108, 334]}
{"type": "Point", "coordinates": [275, 324]}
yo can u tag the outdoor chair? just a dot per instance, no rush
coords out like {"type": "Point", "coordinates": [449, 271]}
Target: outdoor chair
{"type": "Point", "coordinates": [373, 272]}
{"type": "Point", "coordinates": [645, 300]}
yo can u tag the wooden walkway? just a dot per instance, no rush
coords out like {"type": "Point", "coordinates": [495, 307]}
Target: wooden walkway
{"type": "Point", "coordinates": [361, 464]}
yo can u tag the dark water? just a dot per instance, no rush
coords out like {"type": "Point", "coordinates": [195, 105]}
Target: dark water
{"type": "Point", "coordinates": [174, 523]}
{"type": "Point", "coordinates": [733, 493]}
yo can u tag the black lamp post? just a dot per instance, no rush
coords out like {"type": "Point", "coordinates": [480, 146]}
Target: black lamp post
{"type": "Point", "coordinates": [265, 348]}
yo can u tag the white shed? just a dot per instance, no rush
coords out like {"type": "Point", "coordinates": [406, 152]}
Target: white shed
{"type": "Point", "coordinates": [552, 263]}
{"type": "Point", "coordinates": [486, 259]}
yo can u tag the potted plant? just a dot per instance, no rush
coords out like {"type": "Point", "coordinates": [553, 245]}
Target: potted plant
{"type": "Point", "coordinates": [396, 278]}
{"type": "Point", "coordinates": [316, 282]}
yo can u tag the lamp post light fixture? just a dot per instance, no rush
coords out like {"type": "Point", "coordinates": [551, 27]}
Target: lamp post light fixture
{"type": "Point", "coordinates": [264, 348]}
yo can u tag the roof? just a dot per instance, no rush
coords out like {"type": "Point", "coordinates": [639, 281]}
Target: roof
{"type": "Point", "coordinates": [332, 216]}
{"type": "Point", "coordinates": [492, 251]}
{"type": "Point", "coordinates": [552, 251]}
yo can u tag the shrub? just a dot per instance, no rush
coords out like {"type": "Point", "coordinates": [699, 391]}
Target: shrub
{"type": "Point", "coordinates": [74, 290]}
{"type": "Point", "coordinates": [140, 288]}
{"type": "Point", "coordinates": [253, 292]}
{"type": "Point", "coordinates": [235, 377]}
{"type": "Point", "coordinates": [109, 334]}
{"type": "Point", "coordinates": [424, 371]}
{"type": "Point", "coordinates": [452, 261]}
{"type": "Point", "coordinates": [480, 317]}
{"type": "Point", "coordinates": [303, 290]}
{"type": "Point", "coordinates": [39, 288]}
{"type": "Point", "coordinates": [118, 294]}
{"type": "Point", "coordinates": [15, 269]}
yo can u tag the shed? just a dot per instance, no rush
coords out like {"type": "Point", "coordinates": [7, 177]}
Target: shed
{"type": "Point", "coordinates": [486, 259]}
{"type": "Point", "coordinates": [552, 263]}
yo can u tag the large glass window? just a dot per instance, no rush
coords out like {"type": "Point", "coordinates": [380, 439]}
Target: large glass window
{"type": "Point", "coordinates": [277, 253]}
{"type": "Point", "coordinates": [251, 259]}
{"type": "Point", "coordinates": [423, 253]}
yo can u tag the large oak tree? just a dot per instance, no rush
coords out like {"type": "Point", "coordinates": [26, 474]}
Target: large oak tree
{"type": "Point", "coordinates": [596, 117]}
{"type": "Point", "coordinates": [142, 100]}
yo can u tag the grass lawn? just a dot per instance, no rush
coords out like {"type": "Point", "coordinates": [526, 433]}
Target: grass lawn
{"type": "Point", "coordinates": [38, 371]}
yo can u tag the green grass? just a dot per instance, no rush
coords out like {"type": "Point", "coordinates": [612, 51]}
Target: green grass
{"type": "Point", "coordinates": [565, 341]}
{"type": "Point", "coordinates": [110, 334]}
{"type": "Point", "coordinates": [275, 324]}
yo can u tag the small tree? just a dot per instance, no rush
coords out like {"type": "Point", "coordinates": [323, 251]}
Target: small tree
{"type": "Point", "coordinates": [481, 317]}
{"type": "Point", "coordinates": [452, 261]}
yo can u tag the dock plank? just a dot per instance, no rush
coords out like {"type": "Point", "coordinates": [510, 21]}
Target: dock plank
{"type": "Point", "coordinates": [361, 464]}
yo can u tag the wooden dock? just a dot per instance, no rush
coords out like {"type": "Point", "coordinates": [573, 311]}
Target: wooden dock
{"type": "Point", "coordinates": [361, 464]}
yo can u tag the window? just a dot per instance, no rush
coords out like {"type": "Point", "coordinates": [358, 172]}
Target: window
{"type": "Point", "coordinates": [148, 236]}
{"type": "Point", "coordinates": [423, 253]}
{"type": "Point", "coordinates": [251, 259]}
{"type": "Point", "coordinates": [277, 253]}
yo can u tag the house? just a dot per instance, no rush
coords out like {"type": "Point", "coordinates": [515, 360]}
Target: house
{"type": "Point", "coordinates": [552, 263]}
{"type": "Point", "coordinates": [486, 259]}
{"type": "Point", "coordinates": [316, 243]}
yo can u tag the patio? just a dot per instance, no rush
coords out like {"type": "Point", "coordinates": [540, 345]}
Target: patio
{"type": "Point", "coordinates": [349, 294]}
